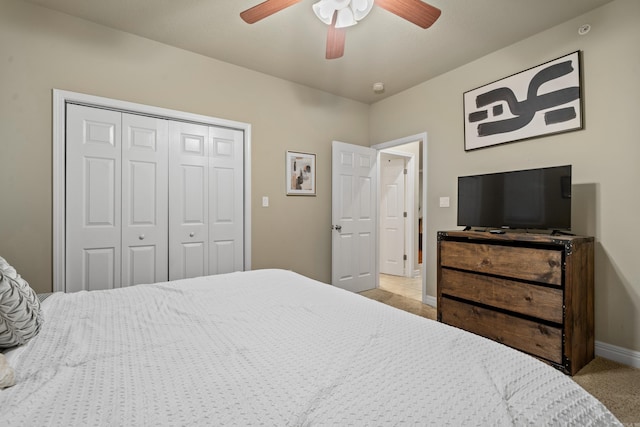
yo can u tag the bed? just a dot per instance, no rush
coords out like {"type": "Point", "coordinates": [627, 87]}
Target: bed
{"type": "Point", "coordinates": [272, 347]}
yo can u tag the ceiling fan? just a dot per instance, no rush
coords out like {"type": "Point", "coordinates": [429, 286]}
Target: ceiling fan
{"type": "Point", "coordinates": [339, 14]}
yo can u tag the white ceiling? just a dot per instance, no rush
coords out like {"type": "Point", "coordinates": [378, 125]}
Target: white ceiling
{"type": "Point", "coordinates": [291, 43]}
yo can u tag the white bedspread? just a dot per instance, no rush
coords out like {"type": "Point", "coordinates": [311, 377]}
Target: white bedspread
{"type": "Point", "coordinates": [271, 347]}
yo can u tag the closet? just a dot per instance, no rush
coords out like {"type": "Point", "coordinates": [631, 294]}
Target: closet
{"type": "Point", "coordinates": [149, 199]}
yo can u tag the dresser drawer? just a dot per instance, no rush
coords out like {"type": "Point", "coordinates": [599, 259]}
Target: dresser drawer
{"type": "Point", "coordinates": [524, 298]}
{"type": "Point", "coordinates": [535, 264]}
{"type": "Point", "coordinates": [531, 337]}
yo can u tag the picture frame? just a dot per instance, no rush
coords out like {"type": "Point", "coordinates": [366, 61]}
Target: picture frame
{"type": "Point", "coordinates": [540, 101]}
{"type": "Point", "coordinates": [300, 174]}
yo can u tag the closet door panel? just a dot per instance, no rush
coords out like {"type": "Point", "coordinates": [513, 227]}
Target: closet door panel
{"type": "Point", "coordinates": [93, 226]}
{"type": "Point", "coordinates": [100, 187]}
{"type": "Point", "coordinates": [226, 206]}
{"type": "Point", "coordinates": [145, 207]}
{"type": "Point", "coordinates": [142, 265]}
{"type": "Point", "coordinates": [99, 269]}
{"type": "Point", "coordinates": [193, 193]}
{"type": "Point", "coordinates": [189, 200]}
{"type": "Point", "coordinates": [194, 259]}
{"type": "Point", "coordinates": [223, 256]}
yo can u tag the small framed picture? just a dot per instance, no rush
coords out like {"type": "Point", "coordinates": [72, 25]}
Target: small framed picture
{"type": "Point", "coordinates": [301, 174]}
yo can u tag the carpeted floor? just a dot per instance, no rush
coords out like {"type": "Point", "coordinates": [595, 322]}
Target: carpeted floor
{"type": "Point", "coordinates": [616, 386]}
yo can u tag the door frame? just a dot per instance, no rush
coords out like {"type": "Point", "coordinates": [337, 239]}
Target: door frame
{"type": "Point", "coordinates": [421, 137]}
{"type": "Point", "coordinates": [60, 99]}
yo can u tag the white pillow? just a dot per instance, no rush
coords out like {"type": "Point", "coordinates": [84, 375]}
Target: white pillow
{"type": "Point", "coordinates": [7, 376]}
{"type": "Point", "coordinates": [20, 316]}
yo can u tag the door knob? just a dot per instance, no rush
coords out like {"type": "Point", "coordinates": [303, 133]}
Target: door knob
{"type": "Point", "coordinates": [336, 227]}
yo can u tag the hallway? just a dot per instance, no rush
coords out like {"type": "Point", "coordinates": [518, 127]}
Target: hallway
{"type": "Point", "coordinates": [406, 286]}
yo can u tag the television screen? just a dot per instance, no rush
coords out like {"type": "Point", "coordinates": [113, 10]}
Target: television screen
{"type": "Point", "coordinates": [533, 198]}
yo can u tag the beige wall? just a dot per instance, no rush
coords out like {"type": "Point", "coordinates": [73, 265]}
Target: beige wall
{"type": "Point", "coordinates": [41, 50]}
{"type": "Point", "coordinates": [605, 155]}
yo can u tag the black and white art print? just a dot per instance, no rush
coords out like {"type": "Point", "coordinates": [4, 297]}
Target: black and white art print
{"type": "Point", "coordinates": [539, 101]}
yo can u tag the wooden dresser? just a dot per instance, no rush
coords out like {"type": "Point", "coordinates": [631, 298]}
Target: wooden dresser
{"type": "Point", "coordinates": [532, 292]}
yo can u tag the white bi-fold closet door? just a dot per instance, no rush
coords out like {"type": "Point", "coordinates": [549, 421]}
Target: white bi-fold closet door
{"type": "Point", "coordinates": [206, 208]}
{"type": "Point", "coordinates": [150, 199]}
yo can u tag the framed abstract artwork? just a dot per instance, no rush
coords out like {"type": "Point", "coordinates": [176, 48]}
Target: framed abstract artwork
{"type": "Point", "coordinates": [301, 174]}
{"type": "Point", "coordinates": [543, 100]}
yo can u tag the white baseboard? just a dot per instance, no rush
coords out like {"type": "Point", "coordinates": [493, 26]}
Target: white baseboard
{"type": "Point", "coordinates": [618, 354]}
{"type": "Point", "coordinates": [429, 300]}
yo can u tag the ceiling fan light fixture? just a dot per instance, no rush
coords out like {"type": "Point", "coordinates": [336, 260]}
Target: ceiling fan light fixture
{"type": "Point", "coordinates": [349, 11]}
{"type": "Point", "coordinates": [322, 13]}
{"type": "Point", "coordinates": [361, 8]}
{"type": "Point", "coordinates": [345, 18]}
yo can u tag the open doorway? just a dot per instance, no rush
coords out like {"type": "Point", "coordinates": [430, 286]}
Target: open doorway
{"type": "Point", "coordinates": [401, 189]}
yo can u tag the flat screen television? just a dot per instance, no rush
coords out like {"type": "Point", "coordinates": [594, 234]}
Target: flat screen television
{"type": "Point", "coordinates": [524, 199]}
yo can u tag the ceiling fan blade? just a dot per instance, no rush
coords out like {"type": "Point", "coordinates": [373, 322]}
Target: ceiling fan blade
{"type": "Point", "coordinates": [265, 9]}
{"type": "Point", "coordinates": [416, 11]}
{"type": "Point", "coordinates": [335, 40]}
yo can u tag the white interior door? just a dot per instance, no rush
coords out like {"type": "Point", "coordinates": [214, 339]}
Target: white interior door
{"type": "Point", "coordinates": [116, 199]}
{"type": "Point", "coordinates": [115, 202]}
{"type": "Point", "coordinates": [189, 195]}
{"type": "Point", "coordinates": [226, 195]}
{"type": "Point", "coordinates": [145, 207]}
{"type": "Point", "coordinates": [93, 227]}
{"type": "Point", "coordinates": [353, 212]}
{"type": "Point", "coordinates": [392, 215]}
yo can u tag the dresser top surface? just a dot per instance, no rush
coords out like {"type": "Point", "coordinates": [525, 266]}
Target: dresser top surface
{"type": "Point", "coordinates": [515, 236]}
